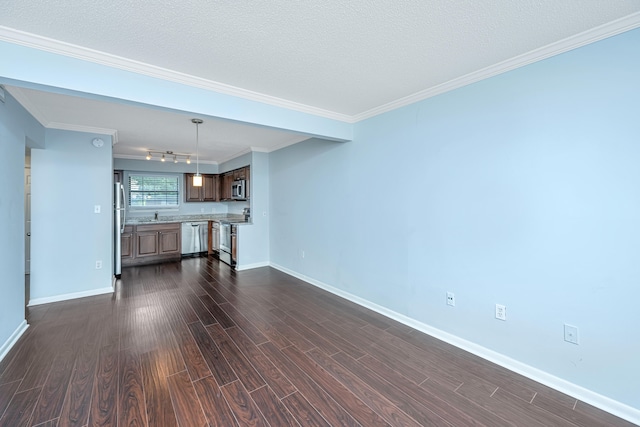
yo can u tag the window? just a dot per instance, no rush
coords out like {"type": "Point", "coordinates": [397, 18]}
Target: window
{"type": "Point", "coordinates": [153, 191]}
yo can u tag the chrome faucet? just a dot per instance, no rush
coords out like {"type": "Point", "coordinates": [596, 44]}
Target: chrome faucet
{"type": "Point", "coordinates": [155, 216]}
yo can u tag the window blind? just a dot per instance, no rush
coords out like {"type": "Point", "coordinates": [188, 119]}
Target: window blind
{"type": "Point", "coordinates": [153, 191]}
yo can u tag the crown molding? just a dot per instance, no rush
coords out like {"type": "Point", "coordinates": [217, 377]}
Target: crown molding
{"type": "Point", "coordinates": [87, 129]}
{"type": "Point", "coordinates": [67, 49]}
{"type": "Point", "coordinates": [593, 35]}
{"type": "Point", "coordinates": [601, 32]}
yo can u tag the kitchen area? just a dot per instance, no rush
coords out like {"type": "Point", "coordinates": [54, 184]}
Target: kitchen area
{"type": "Point", "coordinates": [161, 216]}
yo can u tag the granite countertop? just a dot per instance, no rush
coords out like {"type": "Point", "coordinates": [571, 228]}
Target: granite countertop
{"type": "Point", "coordinates": [165, 219]}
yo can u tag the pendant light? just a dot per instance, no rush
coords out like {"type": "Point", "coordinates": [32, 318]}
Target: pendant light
{"type": "Point", "coordinates": [197, 178]}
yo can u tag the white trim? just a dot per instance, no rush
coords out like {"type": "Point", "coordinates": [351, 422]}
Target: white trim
{"type": "Point", "coordinates": [74, 295]}
{"type": "Point", "coordinates": [607, 404]}
{"type": "Point", "coordinates": [587, 37]}
{"type": "Point", "coordinates": [13, 339]}
{"type": "Point", "coordinates": [251, 266]}
{"type": "Point", "coordinates": [601, 32]}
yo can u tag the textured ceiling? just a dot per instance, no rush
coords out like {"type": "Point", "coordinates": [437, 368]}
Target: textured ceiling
{"type": "Point", "coordinates": [344, 57]}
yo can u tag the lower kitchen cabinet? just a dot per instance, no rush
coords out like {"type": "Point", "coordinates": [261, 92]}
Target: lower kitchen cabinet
{"type": "Point", "coordinates": [126, 241]}
{"type": "Point", "coordinates": [152, 243]}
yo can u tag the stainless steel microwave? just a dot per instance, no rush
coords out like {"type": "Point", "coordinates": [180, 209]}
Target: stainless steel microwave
{"type": "Point", "coordinates": [238, 189]}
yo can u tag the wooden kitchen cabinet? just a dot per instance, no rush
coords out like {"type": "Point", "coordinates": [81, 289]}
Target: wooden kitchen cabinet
{"type": "Point", "coordinates": [227, 182]}
{"type": "Point", "coordinates": [207, 193]}
{"type": "Point", "coordinates": [150, 243]}
{"type": "Point", "coordinates": [126, 243]}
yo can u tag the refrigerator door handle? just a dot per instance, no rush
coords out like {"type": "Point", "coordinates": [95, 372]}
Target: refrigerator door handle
{"type": "Point", "coordinates": [124, 210]}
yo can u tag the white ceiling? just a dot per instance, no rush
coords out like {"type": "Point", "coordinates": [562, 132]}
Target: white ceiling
{"type": "Point", "coordinates": [340, 59]}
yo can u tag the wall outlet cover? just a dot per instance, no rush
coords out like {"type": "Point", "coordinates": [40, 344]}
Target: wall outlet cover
{"type": "Point", "coordinates": [501, 312]}
{"type": "Point", "coordinates": [451, 299]}
{"type": "Point", "coordinates": [571, 334]}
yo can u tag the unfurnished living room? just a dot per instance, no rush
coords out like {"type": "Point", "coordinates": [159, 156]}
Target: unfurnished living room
{"type": "Point", "coordinates": [366, 213]}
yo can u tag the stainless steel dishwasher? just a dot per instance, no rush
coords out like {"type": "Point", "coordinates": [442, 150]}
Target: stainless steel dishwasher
{"type": "Point", "coordinates": [194, 237]}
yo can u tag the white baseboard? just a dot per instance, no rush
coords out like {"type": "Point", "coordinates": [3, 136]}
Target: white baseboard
{"type": "Point", "coordinates": [250, 266]}
{"type": "Point", "coordinates": [607, 404]}
{"type": "Point", "coordinates": [74, 295]}
{"type": "Point", "coordinates": [8, 344]}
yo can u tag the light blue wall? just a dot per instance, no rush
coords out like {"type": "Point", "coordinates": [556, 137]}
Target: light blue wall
{"type": "Point", "coordinates": [69, 178]}
{"type": "Point", "coordinates": [523, 190]}
{"type": "Point", "coordinates": [253, 248]}
{"type": "Point", "coordinates": [16, 126]}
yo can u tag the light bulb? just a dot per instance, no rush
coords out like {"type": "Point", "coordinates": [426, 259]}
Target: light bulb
{"type": "Point", "coordinates": [189, 160]}
{"type": "Point", "coordinates": [149, 155]}
{"type": "Point", "coordinates": [162, 159]}
{"type": "Point", "coordinates": [175, 159]}
{"type": "Point", "coordinates": [197, 180]}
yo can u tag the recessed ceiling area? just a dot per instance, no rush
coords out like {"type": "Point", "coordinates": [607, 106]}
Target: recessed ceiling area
{"type": "Point", "coordinates": [142, 128]}
{"type": "Point", "coordinates": [342, 60]}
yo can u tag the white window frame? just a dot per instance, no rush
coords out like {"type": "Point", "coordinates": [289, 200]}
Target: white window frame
{"type": "Point", "coordinates": [153, 208]}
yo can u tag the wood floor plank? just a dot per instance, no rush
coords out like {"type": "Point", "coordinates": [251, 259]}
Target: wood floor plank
{"type": "Point", "coordinates": [240, 321]}
{"type": "Point", "coordinates": [243, 406]}
{"type": "Point", "coordinates": [393, 385]}
{"type": "Point", "coordinates": [193, 359]}
{"type": "Point", "coordinates": [322, 401]}
{"type": "Point", "coordinates": [218, 313]}
{"type": "Point", "coordinates": [600, 416]}
{"type": "Point", "coordinates": [156, 391]}
{"type": "Point", "coordinates": [214, 405]}
{"type": "Point", "coordinates": [350, 401]}
{"type": "Point", "coordinates": [6, 394]}
{"type": "Point", "coordinates": [376, 401]}
{"type": "Point", "coordinates": [131, 404]}
{"type": "Point", "coordinates": [103, 410]}
{"type": "Point", "coordinates": [215, 359]}
{"type": "Point", "coordinates": [325, 331]}
{"type": "Point", "coordinates": [303, 411]}
{"type": "Point", "coordinates": [272, 409]}
{"type": "Point", "coordinates": [275, 351]}
{"type": "Point", "coordinates": [54, 390]}
{"type": "Point", "coordinates": [75, 410]}
{"type": "Point", "coordinates": [272, 376]}
{"type": "Point", "coordinates": [185, 401]}
{"type": "Point", "coordinates": [201, 311]}
{"type": "Point", "coordinates": [20, 409]}
{"type": "Point", "coordinates": [239, 363]}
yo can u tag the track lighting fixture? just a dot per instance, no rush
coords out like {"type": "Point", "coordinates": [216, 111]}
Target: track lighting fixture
{"type": "Point", "coordinates": [163, 155]}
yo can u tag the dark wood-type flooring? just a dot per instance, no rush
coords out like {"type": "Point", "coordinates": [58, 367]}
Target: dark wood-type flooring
{"type": "Point", "coordinates": [193, 343]}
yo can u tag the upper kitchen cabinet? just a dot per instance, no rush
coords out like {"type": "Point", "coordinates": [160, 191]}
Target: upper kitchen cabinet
{"type": "Point", "coordinates": [207, 193]}
{"type": "Point", "coordinates": [227, 181]}
{"type": "Point", "coordinates": [226, 184]}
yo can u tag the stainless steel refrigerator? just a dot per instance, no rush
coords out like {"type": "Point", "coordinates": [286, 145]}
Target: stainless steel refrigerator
{"type": "Point", "coordinates": [119, 216]}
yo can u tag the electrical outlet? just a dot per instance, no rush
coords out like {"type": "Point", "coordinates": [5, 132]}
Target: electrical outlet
{"type": "Point", "coordinates": [98, 265]}
{"type": "Point", "coordinates": [571, 334]}
{"type": "Point", "coordinates": [451, 299]}
{"type": "Point", "coordinates": [96, 209]}
{"type": "Point", "coordinates": [501, 312]}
